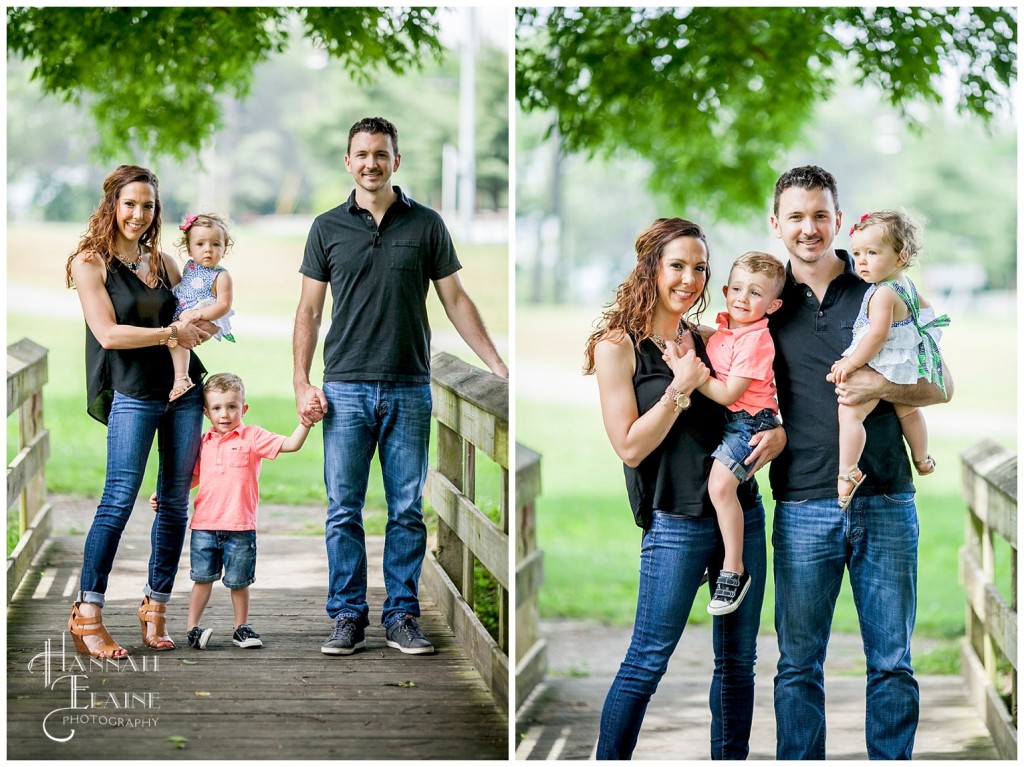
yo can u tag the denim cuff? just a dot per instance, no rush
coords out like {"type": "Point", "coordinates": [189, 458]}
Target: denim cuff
{"type": "Point", "coordinates": [156, 596]}
{"type": "Point", "coordinates": [92, 597]}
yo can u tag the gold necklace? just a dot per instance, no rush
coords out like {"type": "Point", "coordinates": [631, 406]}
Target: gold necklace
{"type": "Point", "coordinates": [660, 342]}
{"type": "Point", "coordinates": [133, 266]}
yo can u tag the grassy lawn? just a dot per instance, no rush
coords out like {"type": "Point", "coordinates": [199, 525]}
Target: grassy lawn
{"type": "Point", "coordinates": [265, 270]}
{"type": "Point", "coordinates": [583, 515]}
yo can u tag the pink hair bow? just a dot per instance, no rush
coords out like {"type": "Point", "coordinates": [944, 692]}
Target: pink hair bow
{"type": "Point", "coordinates": [189, 220]}
{"type": "Point", "coordinates": [862, 220]}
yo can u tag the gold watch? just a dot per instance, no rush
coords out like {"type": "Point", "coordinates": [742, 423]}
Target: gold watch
{"type": "Point", "coordinates": [172, 341]}
{"type": "Point", "coordinates": [674, 397]}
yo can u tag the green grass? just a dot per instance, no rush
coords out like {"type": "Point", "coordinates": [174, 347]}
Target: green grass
{"type": "Point", "coordinates": [265, 269]}
{"type": "Point", "coordinates": [583, 514]}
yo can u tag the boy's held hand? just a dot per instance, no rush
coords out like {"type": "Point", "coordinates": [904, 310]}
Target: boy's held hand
{"type": "Point", "coordinates": [152, 502]}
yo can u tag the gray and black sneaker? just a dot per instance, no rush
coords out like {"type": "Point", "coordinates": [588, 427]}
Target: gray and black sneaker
{"type": "Point", "coordinates": [405, 635]}
{"type": "Point", "coordinates": [199, 637]}
{"type": "Point", "coordinates": [348, 637]}
{"type": "Point", "coordinates": [729, 592]}
{"type": "Point", "coordinates": [244, 636]}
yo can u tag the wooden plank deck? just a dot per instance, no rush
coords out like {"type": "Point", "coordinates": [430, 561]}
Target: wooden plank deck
{"type": "Point", "coordinates": [560, 721]}
{"type": "Point", "coordinates": [284, 700]}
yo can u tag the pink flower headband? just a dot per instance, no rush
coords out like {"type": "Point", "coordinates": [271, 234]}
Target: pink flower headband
{"type": "Point", "coordinates": [862, 220]}
{"type": "Point", "coordinates": [191, 219]}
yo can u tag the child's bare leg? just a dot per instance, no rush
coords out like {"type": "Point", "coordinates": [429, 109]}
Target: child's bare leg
{"type": "Point", "coordinates": [240, 601]}
{"type": "Point", "coordinates": [197, 603]}
{"type": "Point", "coordinates": [722, 484]}
{"type": "Point", "coordinates": [180, 359]}
{"type": "Point", "coordinates": [852, 438]}
{"type": "Point", "coordinates": [915, 431]}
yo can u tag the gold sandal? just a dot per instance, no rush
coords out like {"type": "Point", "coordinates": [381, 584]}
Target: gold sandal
{"type": "Point", "coordinates": [926, 466]}
{"type": "Point", "coordinates": [850, 476]}
{"type": "Point", "coordinates": [151, 611]}
{"type": "Point", "coordinates": [81, 626]}
{"type": "Point", "coordinates": [179, 391]}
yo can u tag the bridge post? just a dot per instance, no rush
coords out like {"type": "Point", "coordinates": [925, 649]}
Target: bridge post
{"type": "Point", "coordinates": [26, 475]}
{"type": "Point", "coordinates": [531, 649]}
{"type": "Point", "coordinates": [989, 647]}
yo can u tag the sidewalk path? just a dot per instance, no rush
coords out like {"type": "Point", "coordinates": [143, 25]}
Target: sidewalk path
{"type": "Point", "coordinates": [561, 719]}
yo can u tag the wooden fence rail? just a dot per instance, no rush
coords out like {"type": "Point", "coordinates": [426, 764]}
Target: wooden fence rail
{"type": "Point", "coordinates": [531, 648]}
{"type": "Point", "coordinates": [989, 647]}
{"type": "Point", "coordinates": [471, 409]}
{"type": "Point", "coordinates": [26, 473]}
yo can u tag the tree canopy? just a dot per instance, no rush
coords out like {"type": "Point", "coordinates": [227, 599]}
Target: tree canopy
{"type": "Point", "coordinates": [713, 97]}
{"type": "Point", "coordinates": [152, 77]}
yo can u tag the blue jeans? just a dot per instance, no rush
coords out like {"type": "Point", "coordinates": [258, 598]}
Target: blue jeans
{"type": "Point", "coordinates": [360, 417]}
{"type": "Point", "coordinates": [673, 556]}
{"type": "Point", "coordinates": [131, 428]}
{"type": "Point", "coordinates": [876, 539]}
{"type": "Point", "coordinates": [232, 552]}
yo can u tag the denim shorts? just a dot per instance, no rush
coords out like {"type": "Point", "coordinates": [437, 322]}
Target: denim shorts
{"type": "Point", "coordinates": [735, 447]}
{"type": "Point", "coordinates": [233, 551]}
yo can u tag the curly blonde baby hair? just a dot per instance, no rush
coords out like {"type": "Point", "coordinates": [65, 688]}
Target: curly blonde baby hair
{"type": "Point", "coordinates": [898, 229]}
{"type": "Point", "coordinates": [206, 220]}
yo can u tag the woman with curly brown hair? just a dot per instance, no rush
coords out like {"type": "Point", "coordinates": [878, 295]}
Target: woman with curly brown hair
{"type": "Point", "coordinates": [649, 360]}
{"type": "Point", "coordinates": [124, 283]}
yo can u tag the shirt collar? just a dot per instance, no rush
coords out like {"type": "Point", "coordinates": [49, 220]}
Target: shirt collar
{"type": "Point", "coordinates": [212, 432]}
{"type": "Point", "coordinates": [723, 324]}
{"type": "Point", "coordinates": [847, 273]}
{"type": "Point", "coordinates": [354, 207]}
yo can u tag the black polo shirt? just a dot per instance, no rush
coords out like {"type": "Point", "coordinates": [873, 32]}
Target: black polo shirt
{"type": "Point", "coordinates": [379, 278]}
{"type": "Point", "coordinates": [809, 337]}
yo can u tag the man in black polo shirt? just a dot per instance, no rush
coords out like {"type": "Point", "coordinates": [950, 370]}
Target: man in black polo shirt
{"type": "Point", "coordinates": [813, 540]}
{"type": "Point", "coordinates": [379, 252]}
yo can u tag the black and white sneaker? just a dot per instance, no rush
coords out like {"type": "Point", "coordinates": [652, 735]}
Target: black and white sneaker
{"type": "Point", "coordinates": [348, 637]}
{"type": "Point", "coordinates": [405, 635]}
{"type": "Point", "coordinates": [730, 588]}
{"type": "Point", "coordinates": [244, 636]}
{"type": "Point", "coordinates": [199, 637]}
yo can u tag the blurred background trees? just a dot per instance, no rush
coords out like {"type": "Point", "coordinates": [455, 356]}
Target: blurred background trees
{"type": "Point", "coordinates": [242, 109]}
{"type": "Point", "coordinates": [629, 113]}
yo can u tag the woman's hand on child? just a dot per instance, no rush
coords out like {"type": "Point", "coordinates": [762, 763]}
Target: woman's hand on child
{"type": "Point", "coordinates": [689, 372]}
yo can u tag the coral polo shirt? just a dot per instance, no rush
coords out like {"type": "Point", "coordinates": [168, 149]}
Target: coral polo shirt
{"type": "Point", "coordinates": [747, 352]}
{"type": "Point", "coordinates": [228, 472]}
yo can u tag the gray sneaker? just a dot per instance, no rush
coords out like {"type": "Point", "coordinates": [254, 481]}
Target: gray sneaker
{"type": "Point", "coordinates": [405, 635]}
{"type": "Point", "coordinates": [348, 637]}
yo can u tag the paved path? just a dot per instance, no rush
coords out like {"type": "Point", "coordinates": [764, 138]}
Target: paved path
{"type": "Point", "coordinates": [561, 719]}
{"type": "Point", "coordinates": [285, 700]}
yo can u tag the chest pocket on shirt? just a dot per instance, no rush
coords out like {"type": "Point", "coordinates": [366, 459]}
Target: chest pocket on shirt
{"type": "Point", "coordinates": [239, 456]}
{"type": "Point", "coordinates": [405, 255]}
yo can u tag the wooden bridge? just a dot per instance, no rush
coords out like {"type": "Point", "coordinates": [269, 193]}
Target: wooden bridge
{"type": "Point", "coordinates": [285, 700]}
{"type": "Point", "coordinates": [564, 669]}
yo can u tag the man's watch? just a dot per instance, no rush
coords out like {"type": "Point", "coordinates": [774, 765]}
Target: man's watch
{"type": "Point", "coordinates": [675, 398]}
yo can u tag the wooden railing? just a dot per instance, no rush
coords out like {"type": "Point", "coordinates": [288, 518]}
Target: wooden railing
{"type": "Point", "coordinates": [26, 473]}
{"type": "Point", "coordinates": [531, 649]}
{"type": "Point", "coordinates": [471, 410]}
{"type": "Point", "coordinates": [989, 647]}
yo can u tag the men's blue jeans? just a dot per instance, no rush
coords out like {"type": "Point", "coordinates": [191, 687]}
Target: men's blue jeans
{"type": "Point", "coordinates": [876, 539]}
{"type": "Point", "coordinates": [673, 556]}
{"type": "Point", "coordinates": [131, 428]}
{"type": "Point", "coordinates": [360, 417]}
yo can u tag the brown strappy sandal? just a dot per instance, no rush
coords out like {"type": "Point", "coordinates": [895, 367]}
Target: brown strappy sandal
{"type": "Point", "coordinates": [81, 626]}
{"type": "Point", "coordinates": [151, 611]}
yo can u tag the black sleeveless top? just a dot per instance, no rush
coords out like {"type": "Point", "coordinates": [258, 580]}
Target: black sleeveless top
{"type": "Point", "coordinates": [143, 374]}
{"type": "Point", "coordinates": [674, 477]}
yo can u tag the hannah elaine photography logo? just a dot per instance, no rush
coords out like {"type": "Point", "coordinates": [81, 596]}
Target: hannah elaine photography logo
{"type": "Point", "coordinates": [67, 674]}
